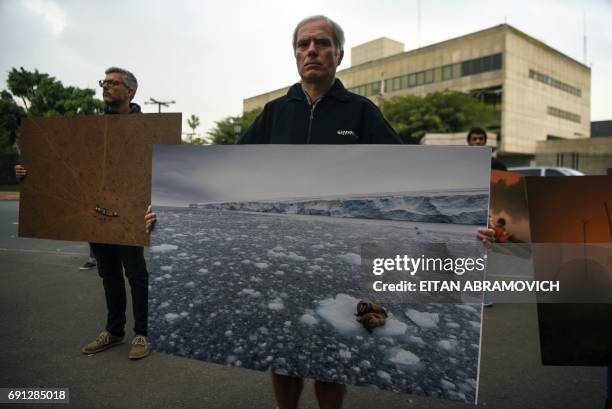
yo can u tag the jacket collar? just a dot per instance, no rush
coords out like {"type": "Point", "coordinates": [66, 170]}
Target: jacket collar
{"type": "Point", "coordinates": [134, 109]}
{"type": "Point", "coordinates": [337, 91]}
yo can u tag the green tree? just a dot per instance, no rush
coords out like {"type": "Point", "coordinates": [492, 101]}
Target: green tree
{"type": "Point", "coordinates": [41, 95]}
{"type": "Point", "coordinates": [450, 111]}
{"type": "Point", "coordinates": [225, 130]}
{"type": "Point", "coordinates": [193, 121]}
{"type": "Point", "coordinates": [10, 114]}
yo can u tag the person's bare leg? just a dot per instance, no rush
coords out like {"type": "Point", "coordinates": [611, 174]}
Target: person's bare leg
{"type": "Point", "coordinates": [287, 390]}
{"type": "Point", "coordinates": [330, 395]}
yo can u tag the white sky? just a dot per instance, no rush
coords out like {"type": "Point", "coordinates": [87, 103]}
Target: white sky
{"type": "Point", "coordinates": [185, 174]}
{"type": "Point", "coordinates": [209, 55]}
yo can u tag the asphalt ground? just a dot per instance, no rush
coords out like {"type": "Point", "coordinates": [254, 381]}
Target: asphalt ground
{"type": "Point", "coordinates": [49, 310]}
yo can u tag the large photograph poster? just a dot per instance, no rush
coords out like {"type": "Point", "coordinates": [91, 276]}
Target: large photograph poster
{"type": "Point", "coordinates": [89, 177]}
{"type": "Point", "coordinates": [256, 257]}
{"type": "Point", "coordinates": [571, 217]}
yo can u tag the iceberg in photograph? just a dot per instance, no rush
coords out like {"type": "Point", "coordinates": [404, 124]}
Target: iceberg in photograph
{"type": "Point", "coordinates": [460, 207]}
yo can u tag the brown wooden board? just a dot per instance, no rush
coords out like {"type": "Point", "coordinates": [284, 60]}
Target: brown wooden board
{"type": "Point", "coordinates": [89, 177]}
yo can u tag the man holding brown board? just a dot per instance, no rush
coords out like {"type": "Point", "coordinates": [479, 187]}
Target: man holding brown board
{"type": "Point", "coordinates": [119, 87]}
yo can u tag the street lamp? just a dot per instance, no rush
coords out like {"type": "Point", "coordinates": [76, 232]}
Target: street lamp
{"type": "Point", "coordinates": [237, 128]}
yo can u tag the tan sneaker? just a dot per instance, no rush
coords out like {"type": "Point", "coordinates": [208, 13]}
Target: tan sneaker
{"type": "Point", "coordinates": [105, 340]}
{"type": "Point", "coordinates": [140, 348]}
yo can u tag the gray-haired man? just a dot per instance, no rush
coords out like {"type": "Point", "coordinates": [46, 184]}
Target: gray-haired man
{"type": "Point", "coordinates": [318, 110]}
{"type": "Point", "coordinates": [119, 87]}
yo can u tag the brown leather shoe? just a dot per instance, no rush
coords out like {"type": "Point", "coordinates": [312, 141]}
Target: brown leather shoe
{"type": "Point", "coordinates": [140, 347]}
{"type": "Point", "coordinates": [104, 341]}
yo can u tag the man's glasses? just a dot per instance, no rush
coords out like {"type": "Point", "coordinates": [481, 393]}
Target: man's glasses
{"type": "Point", "coordinates": [111, 83]}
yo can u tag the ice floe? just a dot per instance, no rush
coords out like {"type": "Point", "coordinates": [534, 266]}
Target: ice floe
{"type": "Point", "coordinates": [423, 319]}
{"type": "Point", "coordinates": [163, 248]}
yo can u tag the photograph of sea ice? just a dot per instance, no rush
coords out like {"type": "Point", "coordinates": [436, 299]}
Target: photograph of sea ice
{"type": "Point", "coordinates": [255, 260]}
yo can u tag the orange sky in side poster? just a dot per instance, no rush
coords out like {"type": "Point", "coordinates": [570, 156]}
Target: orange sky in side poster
{"type": "Point", "coordinates": [575, 209]}
{"type": "Point", "coordinates": [508, 202]}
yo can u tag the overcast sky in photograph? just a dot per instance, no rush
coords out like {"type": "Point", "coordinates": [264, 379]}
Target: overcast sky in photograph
{"type": "Point", "coordinates": [196, 174]}
{"type": "Point", "coordinates": [209, 55]}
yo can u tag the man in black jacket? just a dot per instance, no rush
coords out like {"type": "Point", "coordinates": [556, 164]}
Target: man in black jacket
{"type": "Point", "coordinates": [318, 110]}
{"type": "Point", "coordinates": [119, 88]}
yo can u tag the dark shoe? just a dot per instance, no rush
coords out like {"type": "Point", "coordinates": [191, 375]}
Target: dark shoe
{"type": "Point", "coordinates": [88, 266]}
{"type": "Point", "coordinates": [104, 341]}
{"type": "Point", "coordinates": [140, 348]}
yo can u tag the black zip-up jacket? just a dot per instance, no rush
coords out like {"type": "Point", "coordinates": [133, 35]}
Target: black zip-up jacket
{"type": "Point", "coordinates": [134, 109]}
{"type": "Point", "coordinates": [339, 117]}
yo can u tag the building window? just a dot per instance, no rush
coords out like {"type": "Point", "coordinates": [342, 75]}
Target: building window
{"type": "Point", "coordinates": [396, 83]}
{"type": "Point", "coordinates": [560, 113]}
{"type": "Point", "coordinates": [496, 63]}
{"type": "Point", "coordinates": [569, 159]}
{"type": "Point", "coordinates": [420, 80]}
{"type": "Point", "coordinates": [477, 66]}
{"type": "Point", "coordinates": [441, 73]}
{"type": "Point", "coordinates": [480, 65]}
{"type": "Point", "coordinates": [487, 63]}
{"type": "Point", "coordinates": [412, 80]}
{"type": "Point", "coordinates": [374, 88]}
{"type": "Point", "coordinates": [553, 82]}
{"type": "Point", "coordinates": [437, 74]}
{"type": "Point", "coordinates": [457, 70]}
{"type": "Point", "coordinates": [447, 72]}
{"type": "Point", "coordinates": [428, 76]}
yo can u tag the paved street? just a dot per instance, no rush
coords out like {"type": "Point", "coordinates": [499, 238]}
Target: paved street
{"type": "Point", "coordinates": [49, 309]}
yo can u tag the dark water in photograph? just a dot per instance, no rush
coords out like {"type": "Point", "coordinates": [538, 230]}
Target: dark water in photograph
{"type": "Point", "coordinates": [272, 291]}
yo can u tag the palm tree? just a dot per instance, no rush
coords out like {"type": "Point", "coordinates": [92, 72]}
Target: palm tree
{"type": "Point", "coordinates": [193, 122]}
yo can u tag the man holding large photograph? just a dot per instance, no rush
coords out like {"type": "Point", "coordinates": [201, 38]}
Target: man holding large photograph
{"type": "Point", "coordinates": [318, 110]}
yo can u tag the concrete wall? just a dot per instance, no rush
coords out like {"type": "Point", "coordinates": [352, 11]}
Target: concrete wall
{"type": "Point", "coordinates": [525, 101]}
{"type": "Point", "coordinates": [375, 50]}
{"type": "Point", "coordinates": [592, 156]}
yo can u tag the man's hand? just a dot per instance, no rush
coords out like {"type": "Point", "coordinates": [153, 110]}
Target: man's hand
{"type": "Point", "coordinates": [486, 235]}
{"type": "Point", "coordinates": [150, 219]}
{"type": "Point", "coordinates": [20, 172]}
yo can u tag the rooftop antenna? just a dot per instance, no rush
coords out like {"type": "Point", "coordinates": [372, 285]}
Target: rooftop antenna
{"type": "Point", "coordinates": [153, 101]}
{"type": "Point", "coordinates": [584, 37]}
{"type": "Point", "coordinates": [419, 23]}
